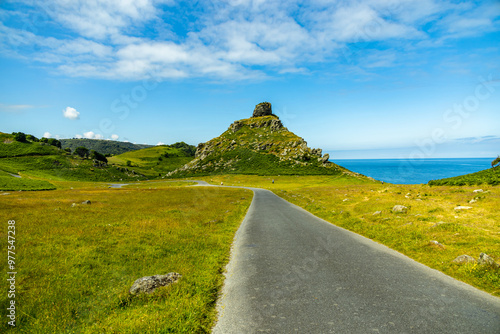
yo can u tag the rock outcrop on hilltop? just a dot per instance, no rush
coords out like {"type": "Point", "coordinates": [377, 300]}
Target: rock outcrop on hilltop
{"type": "Point", "coordinates": [258, 145]}
{"type": "Point", "coordinates": [263, 109]}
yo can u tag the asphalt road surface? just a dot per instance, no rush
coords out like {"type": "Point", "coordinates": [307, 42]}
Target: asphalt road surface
{"type": "Point", "coordinates": [291, 272]}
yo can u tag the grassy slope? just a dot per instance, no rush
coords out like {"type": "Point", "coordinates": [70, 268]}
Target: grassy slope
{"type": "Point", "coordinates": [153, 161]}
{"type": "Point", "coordinates": [40, 161]}
{"type": "Point", "coordinates": [76, 264]}
{"type": "Point", "coordinates": [350, 203]}
{"type": "Point", "coordinates": [488, 176]}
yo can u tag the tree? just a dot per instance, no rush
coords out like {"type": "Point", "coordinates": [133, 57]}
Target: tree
{"type": "Point", "coordinates": [19, 136]}
{"type": "Point", "coordinates": [54, 142]}
{"type": "Point", "coordinates": [32, 138]}
{"type": "Point", "coordinates": [44, 140]}
{"type": "Point", "coordinates": [82, 151]}
{"type": "Point", "coordinates": [67, 149]}
{"type": "Point", "coordinates": [496, 162]}
{"type": "Point", "coordinates": [98, 156]}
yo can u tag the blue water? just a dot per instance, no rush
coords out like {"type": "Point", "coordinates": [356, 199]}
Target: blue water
{"type": "Point", "coordinates": [404, 171]}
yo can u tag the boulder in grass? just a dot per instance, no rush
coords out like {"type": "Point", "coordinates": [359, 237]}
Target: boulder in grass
{"type": "Point", "coordinates": [86, 202]}
{"type": "Point", "coordinates": [462, 259]}
{"type": "Point", "coordinates": [399, 209]}
{"type": "Point", "coordinates": [486, 260]}
{"type": "Point", "coordinates": [463, 207]}
{"type": "Point", "coordinates": [149, 284]}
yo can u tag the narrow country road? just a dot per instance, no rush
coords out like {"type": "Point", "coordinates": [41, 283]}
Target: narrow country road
{"type": "Point", "coordinates": [291, 272]}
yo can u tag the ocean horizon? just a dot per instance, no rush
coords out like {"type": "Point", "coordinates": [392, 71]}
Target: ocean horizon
{"type": "Point", "coordinates": [417, 171]}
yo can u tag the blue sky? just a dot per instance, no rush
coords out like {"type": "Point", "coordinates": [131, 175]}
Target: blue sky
{"type": "Point", "coordinates": [360, 79]}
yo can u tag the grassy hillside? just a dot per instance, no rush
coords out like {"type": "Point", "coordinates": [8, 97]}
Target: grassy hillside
{"type": "Point", "coordinates": [11, 148]}
{"type": "Point", "coordinates": [38, 161]}
{"type": "Point", "coordinates": [154, 161]}
{"type": "Point", "coordinates": [489, 176]}
{"type": "Point", "coordinates": [102, 146]}
{"type": "Point", "coordinates": [259, 146]}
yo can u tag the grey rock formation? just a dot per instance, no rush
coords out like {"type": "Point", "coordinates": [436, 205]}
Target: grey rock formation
{"type": "Point", "coordinates": [462, 259]}
{"type": "Point", "coordinates": [437, 243]}
{"type": "Point", "coordinates": [399, 209]}
{"type": "Point", "coordinates": [262, 109]}
{"type": "Point", "coordinates": [149, 284]}
{"type": "Point", "coordinates": [485, 259]}
{"type": "Point", "coordinates": [325, 158]}
{"type": "Point", "coordinates": [317, 151]}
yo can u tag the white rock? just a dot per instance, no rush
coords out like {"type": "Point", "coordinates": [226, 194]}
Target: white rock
{"type": "Point", "coordinates": [461, 207]}
{"type": "Point", "coordinates": [478, 191]}
{"type": "Point", "coordinates": [399, 209]}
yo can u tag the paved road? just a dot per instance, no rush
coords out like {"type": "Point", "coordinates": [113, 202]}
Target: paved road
{"type": "Point", "coordinates": [291, 272]}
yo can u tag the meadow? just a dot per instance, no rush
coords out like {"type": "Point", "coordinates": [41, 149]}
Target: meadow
{"type": "Point", "coordinates": [76, 263]}
{"type": "Point", "coordinates": [365, 207]}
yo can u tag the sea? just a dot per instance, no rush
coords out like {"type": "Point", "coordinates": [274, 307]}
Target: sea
{"type": "Point", "coordinates": [404, 171]}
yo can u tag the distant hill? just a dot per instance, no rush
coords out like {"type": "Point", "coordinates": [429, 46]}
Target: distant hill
{"type": "Point", "coordinates": [258, 145]}
{"type": "Point", "coordinates": [489, 176]}
{"type": "Point", "coordinates": [156, 161]}
{"type": "Point", "coordinates": [102, 146]}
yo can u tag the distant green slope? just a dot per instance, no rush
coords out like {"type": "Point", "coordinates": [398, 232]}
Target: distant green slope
{"type": "Point", "coordinates": [102, 146]}
{"type": "Point", "coordinates": [489, 176]}
{"type": "Point", "coordinates": [155, 161]}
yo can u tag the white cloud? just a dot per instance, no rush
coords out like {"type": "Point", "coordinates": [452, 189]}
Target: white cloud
{"type": "Point", "coordinates": [47, 134]}
{"type": "Point", "coordinates": [234, 39]}
{"type": "Point", "coordinates": [160, 143]}
{"type": "Point", "coordinates": [114, 137]}
{"type": "Point", "coordinates": [14, 107]}
{"type": "Point", "coordinates": [92, 135]}
{"type": "Point", "coordinates": [78, 136]}
{"type": "Point", "coordinates": [71, 113]}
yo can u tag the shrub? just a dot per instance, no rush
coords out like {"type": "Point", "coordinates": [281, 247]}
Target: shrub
{"type": "Point", "coordinates": [82, 151]}
{"type": "Point", "coordinates": [97, 156]}
{"type": "Point", "coordinates": [54, 142]}
{"type": "Point", "coordinates": [20, 137]}
{"type": "Point", "coordinates": [32, 138]}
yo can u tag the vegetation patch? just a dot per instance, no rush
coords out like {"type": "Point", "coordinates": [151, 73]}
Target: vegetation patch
{"type": "Point", "coordinates": [76, 263]}
{"type": "Point", "coordinates": [489, 176]}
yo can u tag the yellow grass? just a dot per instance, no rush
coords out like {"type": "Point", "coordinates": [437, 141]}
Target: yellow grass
{"type": "Point", "coordinates": [76, 264]}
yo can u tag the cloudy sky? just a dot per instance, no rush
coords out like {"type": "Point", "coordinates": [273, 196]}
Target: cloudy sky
{"type": "Point", "coordinates": [367, 78]}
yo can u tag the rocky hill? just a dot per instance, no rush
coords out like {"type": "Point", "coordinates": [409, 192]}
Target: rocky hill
{"type": "Point", "coordinates": [258, 145]}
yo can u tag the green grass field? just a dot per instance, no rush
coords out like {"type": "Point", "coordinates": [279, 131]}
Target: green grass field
{"type": "Point", "coordinates": [76, 264]}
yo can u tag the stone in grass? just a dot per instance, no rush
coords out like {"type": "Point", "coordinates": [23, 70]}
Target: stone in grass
{"type": "Point", "coordinates": [485, 259]}
{"type": "Point", "coordinates": [149, 284]}
{"type": "Point", "coordinates": [399, 209]}
{"type": "Point", "coordinates": [461, 207]}
{"type": "Point", "coordinates": [436, 243]}
{"type": "Point", "coordinates": [377, 213]}
{"type": "Point", "coordinates": [462, 259]}
{"type": "Point", "coordinates": [478, 191]}
{"type": "Point", "coordinates": [86, 202]}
